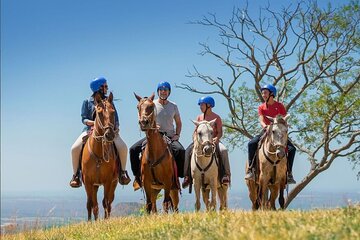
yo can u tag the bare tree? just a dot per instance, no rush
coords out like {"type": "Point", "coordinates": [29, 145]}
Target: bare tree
{"type": "Point", "coordinates": [312, 56]}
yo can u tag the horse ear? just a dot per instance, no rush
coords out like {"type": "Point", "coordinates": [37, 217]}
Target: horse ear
{"type": "Point", "coordinates": [287, 117]}
{"type": "Point", "coordinates": [270, 119]}
{"type": "Point", "coordinates": [152, 97]}
{"type": "Point", "coordinates": [212, 122]}
{"type": "Point", "coordinates": [111, 97]}
{"type": "Point", "coordinates": [195, 122]}
{"type": "Point", "coordinates": [97, 98]}
{"type": "Point", "coordinates": [137, 97]}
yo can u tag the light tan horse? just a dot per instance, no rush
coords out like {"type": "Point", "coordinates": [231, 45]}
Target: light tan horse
{"type": "Point", "coordinates": [157, 162]}
{"type": "Point", "coordinates": [98, 160]}
{"type": "Point", "coordinates": [204, 168]}
{"type": "Point", "coordinates": [272, 166]}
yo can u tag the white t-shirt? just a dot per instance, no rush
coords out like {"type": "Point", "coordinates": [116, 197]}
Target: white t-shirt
{"type": "Point", "coordinates": [165, 116]}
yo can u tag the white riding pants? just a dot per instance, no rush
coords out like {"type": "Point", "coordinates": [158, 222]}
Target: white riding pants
{"type": "Point", "coordinates": [76, 151]}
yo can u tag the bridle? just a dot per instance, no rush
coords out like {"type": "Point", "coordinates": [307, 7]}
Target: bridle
{"type": "Point", "coordinates": [106, 143]}
{"type": "Point", "coordinates": [199, 152]}
{"type": "Point", "coordinates": [150, 117]}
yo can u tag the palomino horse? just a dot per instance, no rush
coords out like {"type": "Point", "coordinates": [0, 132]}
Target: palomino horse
{"type": "Point", "coordinates": [204, 167]}
{"type": "Point", "coordinates": [98, 160]}
{"type": "Point", "coordinates": [157, 162]}
{"type": "Point", "coordinates": [272, 166]}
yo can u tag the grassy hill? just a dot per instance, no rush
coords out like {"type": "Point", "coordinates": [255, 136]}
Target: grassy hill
{"type": "Point", "coordinates": [341, 223]}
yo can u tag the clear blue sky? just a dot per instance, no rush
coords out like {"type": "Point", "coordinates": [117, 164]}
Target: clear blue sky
{"type": "Point", "coordinates": [50, 50]}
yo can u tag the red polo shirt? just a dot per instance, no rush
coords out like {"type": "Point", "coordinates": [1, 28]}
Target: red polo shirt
{"type": "Point", "coordinates": [271, 110]}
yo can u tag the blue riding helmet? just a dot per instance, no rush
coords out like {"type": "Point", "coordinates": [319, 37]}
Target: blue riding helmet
{"type": "Point", "coordinates": [207, 100]}
{"type": "Point", "coordinates": [97, 83]}
{"type": "Point", "coordinates": [163, 85]}
{"type": "Point", "coordinates": [271, 89]}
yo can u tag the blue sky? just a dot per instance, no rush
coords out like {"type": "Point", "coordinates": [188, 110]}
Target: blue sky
{"type": "Point", "coordinates": [50, 50]}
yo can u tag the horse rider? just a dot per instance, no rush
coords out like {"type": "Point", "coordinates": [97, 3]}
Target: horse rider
{"type": "Point", "coordinates": [98, 85]}
{"type": "Point", "coordinates": [206, 105]}
{"type": "Point", "coordinates": [166, 113]}
{"type": "Point", "coordinates": [270, 108]}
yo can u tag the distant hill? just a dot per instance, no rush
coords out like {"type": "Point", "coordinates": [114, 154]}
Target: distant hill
{"type": "Point", "coordinates": [126, 208]}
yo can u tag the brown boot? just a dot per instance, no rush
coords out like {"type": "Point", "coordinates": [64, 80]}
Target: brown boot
{"type": "Point", "coordinates": [186, 182]}
{"type": "Point", "coordinates": [75, 181]}
{"type": "Point", "coordinates": [225, 180]}
{"type": "Point", "coordinates": [124, 178]}
{"type": "Point", "coordinates": [136, 184]}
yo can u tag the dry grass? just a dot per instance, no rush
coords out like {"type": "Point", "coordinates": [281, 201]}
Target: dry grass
{"type": "Point", "coordinates": [342, 223]}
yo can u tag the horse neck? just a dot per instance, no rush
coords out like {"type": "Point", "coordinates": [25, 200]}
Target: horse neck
{"type": "Point", "coordinates": [155, 142]}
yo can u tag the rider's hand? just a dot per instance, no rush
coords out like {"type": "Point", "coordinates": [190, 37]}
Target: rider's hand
{"type": "Point", "coordinates": [175, 137]}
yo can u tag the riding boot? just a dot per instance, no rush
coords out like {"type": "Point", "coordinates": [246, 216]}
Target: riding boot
{"type": "Point", "coordinates": [250, 171]}
{"type": "Point", "coordinates": [124, 178]}
{"type": "Point", "coordinates": [75, 181]}
{"type": "Point", "coordinates": [137, 183]}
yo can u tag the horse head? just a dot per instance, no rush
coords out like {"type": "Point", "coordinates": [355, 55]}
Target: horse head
{"type": "Point", "coordinates": [203, 137]}
{"type": "Point", "coordinates": [146, 112]}
{"type": "Point", "coordinates": [278, 132]}
{"type": "Point", "coordinates": [105, 117]}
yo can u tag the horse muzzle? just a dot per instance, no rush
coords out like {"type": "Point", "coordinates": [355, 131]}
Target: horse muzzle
{"type": "Point", "coordinates": [207, 150]}
{"type": "Point", "coordinates": [109, 134]}
{"type": "Point", "coordinates": [280, 152]}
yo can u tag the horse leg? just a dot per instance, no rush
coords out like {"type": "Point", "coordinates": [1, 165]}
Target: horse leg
{"type": "Point", "coordinates": [197, 194]}
{"type": "Point", "coordinates": [281, 195]}
{"type": "Point", "coordinates": [95, 202]}
{"type": "Point", "coordinates": [89, 203]}
{"type": "Point", "coordinates": [274, 189]}
{"type": "Point", "coordinates": [263, 193]}
{"type": "Point", "coordinates": [206, 194]}
{"type": "Point", "coordinates": [167, 200]}
{"type": "Point", "coordinates": [174, 194]}
{"type": "Point", "coordinates": [253, 195]}
{"type": "Point", "coordinates": [109, 190]}
{"type": "Point", "coordinates": [213, 188]}
{"type": "Point", "coordinates": [222, 192]}
{"type": "Point", "coordinates": [148, 190]}
{"type": "Point", "coordinates": [154, 194]}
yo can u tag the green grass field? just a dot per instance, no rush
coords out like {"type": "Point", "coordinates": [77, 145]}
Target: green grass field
{"type": "Point", "coordinates": [341, 223]}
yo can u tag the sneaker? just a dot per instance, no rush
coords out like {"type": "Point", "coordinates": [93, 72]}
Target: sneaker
{"type": "Point", "coordinates": [124, 178]}
{"type": "Point", "coordinates": [186, 182]}
{"type": "Point", "coordinates": [75, 181]}
{"type": "Point", "coordinates": [225, 180]}
{"type": "Point", "coordinates": [290, 178]}
{"type": "Point", "coordinates": [250, 175]}
{"type": "Point", "coordinates": [136, 184]}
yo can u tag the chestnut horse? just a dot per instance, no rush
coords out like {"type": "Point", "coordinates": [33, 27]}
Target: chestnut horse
{"type": "Point", "coordinates": [272, 166]}
{"type": "Point", "coordinates": [204, 167]}
{"type": "Point", "coordinates": [98, 160]}
{"type": "Point", "coordinates": [157, 162]}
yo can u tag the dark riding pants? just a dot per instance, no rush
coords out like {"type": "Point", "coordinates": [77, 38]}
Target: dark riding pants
{"type": "Point", "coordinates": [253, 146]}
{"type": "Point", "coordinates": [176, 148]}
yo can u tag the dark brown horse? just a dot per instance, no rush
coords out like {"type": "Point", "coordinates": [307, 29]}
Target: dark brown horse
{"type": "Point", "coordinates": [98, 160]}
{"type": "Point", "coordinates": [157, 162]}
{"type": "Point", "coordinates": [272, 166]}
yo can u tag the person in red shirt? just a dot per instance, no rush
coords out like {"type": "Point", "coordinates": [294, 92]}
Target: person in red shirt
{"type": "Point", "coordinates": [206, 104]}
{"type": "Point", "coordinates": [269, 108]}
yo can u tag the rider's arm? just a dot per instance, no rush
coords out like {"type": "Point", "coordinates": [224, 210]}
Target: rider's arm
{"type": "Point", "coordinates": [86, 114]}
{"type": "Point", "coordinates": [178, 125]}
{"type": "Point", "coordinates": [262, 121]}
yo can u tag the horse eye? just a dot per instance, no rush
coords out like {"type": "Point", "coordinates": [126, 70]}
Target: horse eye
{"type": "Point", "coordinates": [200, 134]}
